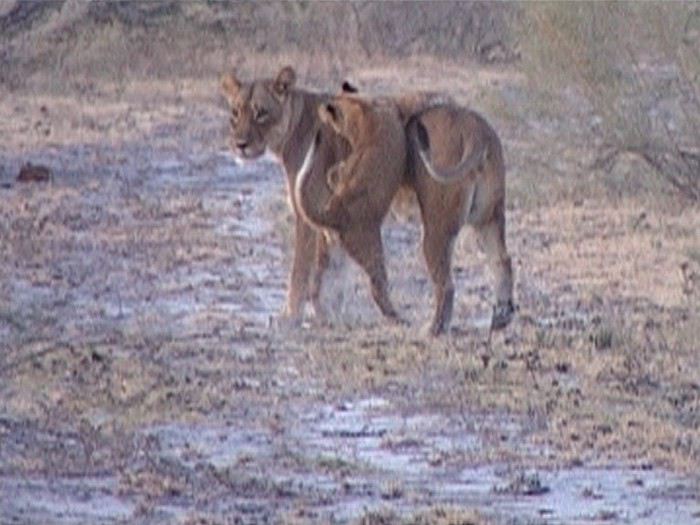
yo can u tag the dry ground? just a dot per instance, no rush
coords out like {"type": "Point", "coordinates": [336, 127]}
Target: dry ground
{"type": "Point", "coordinates": [142, 379]}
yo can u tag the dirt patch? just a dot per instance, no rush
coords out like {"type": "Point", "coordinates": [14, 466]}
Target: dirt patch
{"type": "Point", "coordinates": [142, 377]}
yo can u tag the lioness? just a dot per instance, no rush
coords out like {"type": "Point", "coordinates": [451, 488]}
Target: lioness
{"type": "Point", "coordinates": [272, 114]}
{"type": "Point", "coordinates": [457, 169]}
{"type": "Point", "coordinates": [362, 186]}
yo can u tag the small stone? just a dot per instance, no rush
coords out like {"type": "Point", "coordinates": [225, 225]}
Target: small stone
{"type": "Point", "coordinates": [34, 173]}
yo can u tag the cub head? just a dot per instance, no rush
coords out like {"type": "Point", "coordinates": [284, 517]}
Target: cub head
{"type": "Point", "coordinates": [349, 116]}
{"type": "Point", "coordinates": [257, 111]}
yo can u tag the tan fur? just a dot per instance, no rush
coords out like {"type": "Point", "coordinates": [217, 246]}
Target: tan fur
{"type": "Point", "coordinates": [360, 187]}
{"type": "Point", "coordinates": [457, 169]}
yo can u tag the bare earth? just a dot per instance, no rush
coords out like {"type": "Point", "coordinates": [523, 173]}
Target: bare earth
{"type": "Point", "coordinates": [142, 379]}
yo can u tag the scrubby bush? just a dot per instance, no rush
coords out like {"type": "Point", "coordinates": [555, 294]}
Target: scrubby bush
{"type": "Point", "coordinates": [637, 65]}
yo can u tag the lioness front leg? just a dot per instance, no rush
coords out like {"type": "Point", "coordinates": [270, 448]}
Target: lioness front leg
{"type": "Point", "coordinates": [302, 266]}
{"type": "Point", "coordinates": [322, 262]}
{"type": "Point", "coordinates": [364, 244]}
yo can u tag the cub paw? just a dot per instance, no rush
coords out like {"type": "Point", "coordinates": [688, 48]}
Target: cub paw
{"type": "Point", "coordinates": [333, 176]}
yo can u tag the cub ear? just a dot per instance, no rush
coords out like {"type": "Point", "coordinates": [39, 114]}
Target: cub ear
{"type": "Point", "coordinates": [230, 86]}
{"type": "Point", "coordinates": [285, 80]}
{"type": "Point", "coordinates": [347, 87]}
{"type": "Point", "coordinates": [328, 113]}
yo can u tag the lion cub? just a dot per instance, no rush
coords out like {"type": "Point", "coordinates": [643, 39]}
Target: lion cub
{"type": "Point", "coordinates": [367, 179]}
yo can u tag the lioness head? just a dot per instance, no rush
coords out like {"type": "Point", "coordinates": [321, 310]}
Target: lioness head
{"type": "Point", "coordinates": [258, 111]}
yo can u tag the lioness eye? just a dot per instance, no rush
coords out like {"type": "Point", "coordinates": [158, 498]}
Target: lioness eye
{"type": "Point", "coordinates": [234, 115]}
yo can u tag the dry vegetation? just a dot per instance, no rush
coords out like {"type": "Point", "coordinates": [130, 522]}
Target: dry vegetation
{"type": "Point", "coordinates": [638, 66]}
{"type": "Point", "coordinates": [140, 378]}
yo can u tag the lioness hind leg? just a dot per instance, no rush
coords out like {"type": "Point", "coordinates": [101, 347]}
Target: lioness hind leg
{"type": "Point", "coordinates": [492, 240]}
{"type": "Point", "coordinates": [437, 250]}
{"type": "Point", "coordinates": [364, 245]}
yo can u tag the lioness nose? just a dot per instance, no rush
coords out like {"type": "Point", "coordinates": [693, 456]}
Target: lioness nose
{"type": "Point", "coordinates": [241, 144]}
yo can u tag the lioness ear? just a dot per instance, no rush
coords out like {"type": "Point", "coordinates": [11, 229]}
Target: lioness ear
{"type": "Point", "coordinates": [347, 87]}
{"type": "Point", "coordinates": [230, 86]}
{"type": "Point", "coordinates": [285, 80]}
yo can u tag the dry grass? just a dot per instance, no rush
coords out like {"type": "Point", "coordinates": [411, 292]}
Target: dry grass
{"type": "Point", "coordinates": [433, 516]}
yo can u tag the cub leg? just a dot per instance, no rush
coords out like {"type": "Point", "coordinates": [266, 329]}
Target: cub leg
{"type": "Point", "coordinates": [491, 238]}
{"type": "Point", "coordinates": [334, 176]}
{"type": "Point", "coordinates": [364, 244]}
{"type": "Point", "coordinates": [345, 186]}
{"type": "Point", "coordinates": [335, 179]}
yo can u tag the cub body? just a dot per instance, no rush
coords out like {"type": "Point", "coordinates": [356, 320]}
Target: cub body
{"type": "Point", "coordinates": [364, 184]}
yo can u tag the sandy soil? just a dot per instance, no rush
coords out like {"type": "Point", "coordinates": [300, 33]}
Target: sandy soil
{"type": "Point", "coordinates": [143, 380]}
